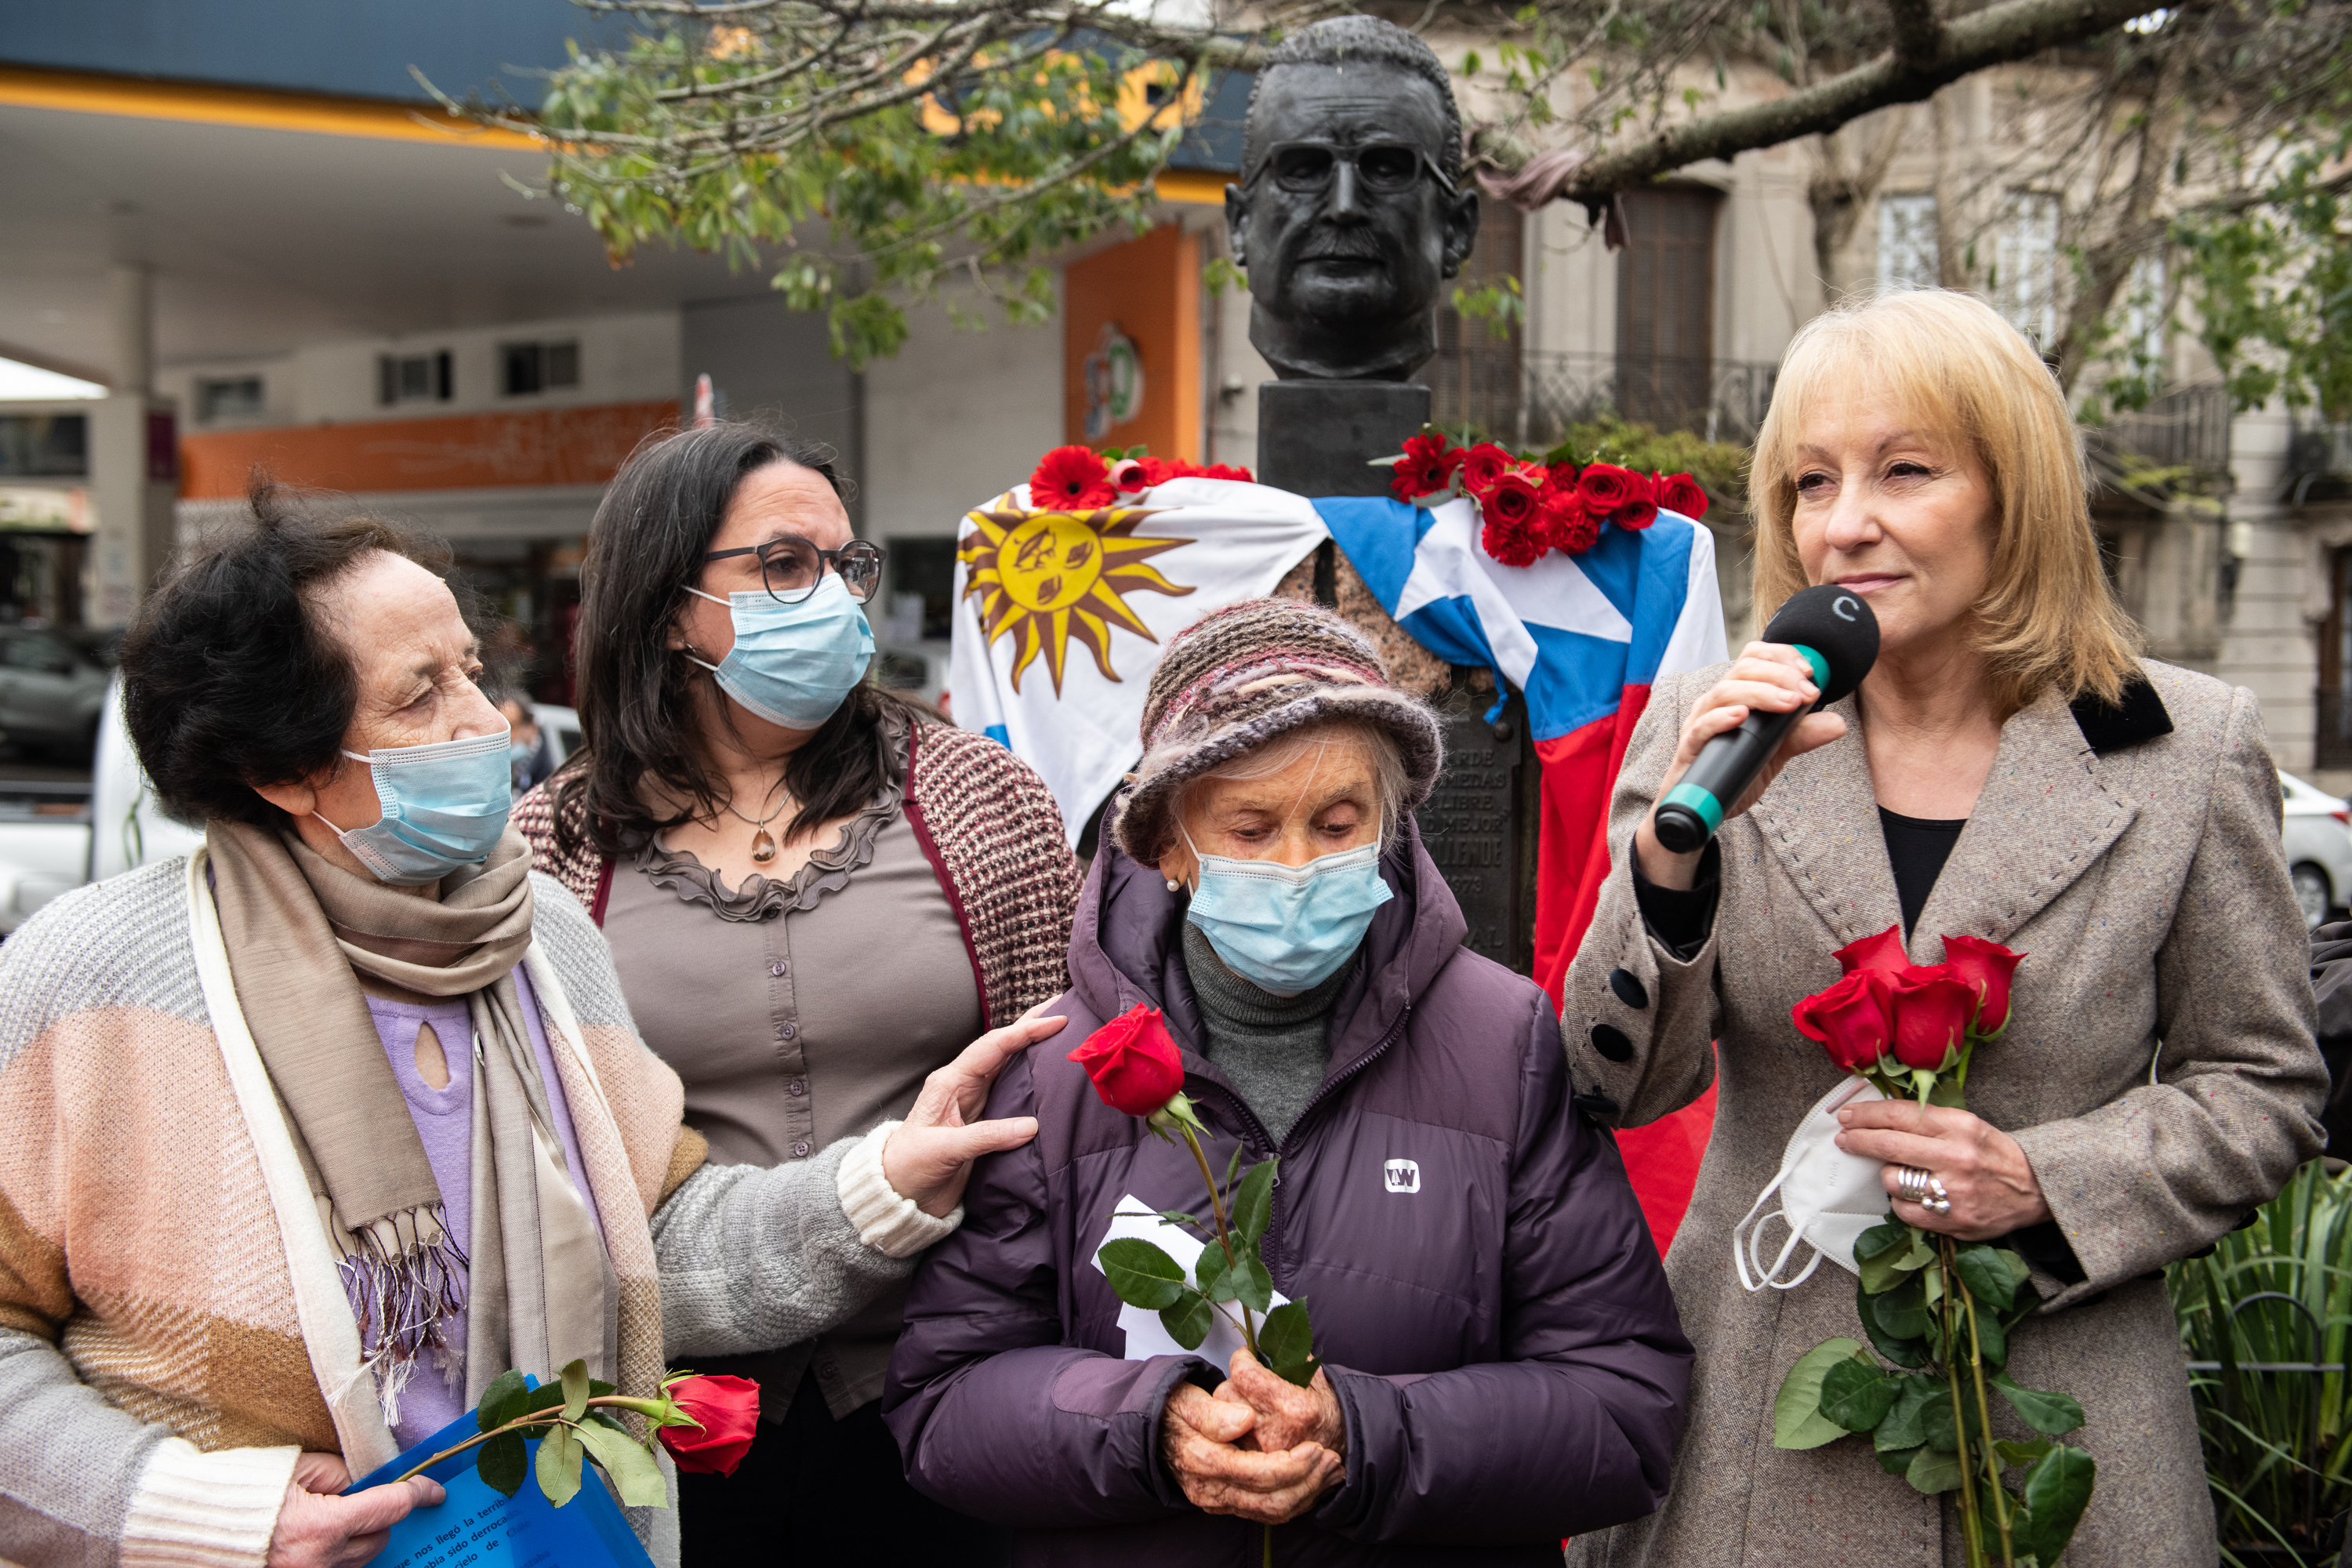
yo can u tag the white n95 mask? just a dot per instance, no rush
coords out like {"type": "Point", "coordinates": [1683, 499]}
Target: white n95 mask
{"type": "Point", "coordinates": [1828, 1198]}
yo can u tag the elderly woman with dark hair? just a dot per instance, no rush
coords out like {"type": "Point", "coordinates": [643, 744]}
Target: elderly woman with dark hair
{"type": "Point", "coordinates": [814, 894]}
{"type": "Point", "coordinates": [312, 1134]}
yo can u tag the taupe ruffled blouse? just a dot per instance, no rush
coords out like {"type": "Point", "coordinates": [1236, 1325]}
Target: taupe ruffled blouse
{"type": "Point", "coordinates": [796, 1013]}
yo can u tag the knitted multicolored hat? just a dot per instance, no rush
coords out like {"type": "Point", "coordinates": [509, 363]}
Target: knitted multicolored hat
{"type": "Point", "coordinates": [1235, 679]}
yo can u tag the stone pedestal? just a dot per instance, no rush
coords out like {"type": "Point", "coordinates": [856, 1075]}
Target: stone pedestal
{"type": "Point", "coordinates": [1317, 438]}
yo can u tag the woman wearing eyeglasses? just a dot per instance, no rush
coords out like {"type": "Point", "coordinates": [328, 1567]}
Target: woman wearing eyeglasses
{"type": "Point", "coordinates": [815, 894]}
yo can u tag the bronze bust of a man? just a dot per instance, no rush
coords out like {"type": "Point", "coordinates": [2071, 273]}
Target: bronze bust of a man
{"type": "Point", "coordinates": [1352, 210]}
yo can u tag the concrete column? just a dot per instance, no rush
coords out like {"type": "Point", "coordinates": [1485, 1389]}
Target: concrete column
{"type": "Point", "coordinates": [130, 289]}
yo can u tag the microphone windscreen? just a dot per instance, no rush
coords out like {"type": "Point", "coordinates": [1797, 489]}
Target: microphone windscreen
{"type": "Point", "coordinates": [1835, 623]}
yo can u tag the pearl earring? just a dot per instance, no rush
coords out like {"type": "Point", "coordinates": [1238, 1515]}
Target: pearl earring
{"type": "Point", "coordinates": [1171, 884]}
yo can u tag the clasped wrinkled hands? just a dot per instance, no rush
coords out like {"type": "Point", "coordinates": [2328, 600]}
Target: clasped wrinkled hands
{"type": "Point", "coordinates": [1259, 1447]}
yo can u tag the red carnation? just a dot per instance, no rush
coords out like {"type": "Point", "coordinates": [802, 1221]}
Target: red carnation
{"type": "Point", "coordinates": [1513, 546]}
{"type": "Point", "coordinates": [1071, 479]}
{"type": "Point", "coordinates": [1641, 511]}
{"type": "Point", "coordinates": [1854, 1019]}
{"type": "Point", "coordinates": [1482, 465]}
{"type": "Point", "coordinates": [1605, 487]}
{"type": "Point", "coordinates": [1933, 1007]}
{"type": "Point", "coordinates": [1986, 966]}
{"type": "Point", "coordinates": [1565, 525]}
{"type": "Point", "coordinates": [1133, 1061]}
{"type": "Point", "coordinates": [1423, 470]}
{"type": "Point", "coordinates": [729, 1411]}
{"type": "Point", "coordinates": [1680, 494]}
{"type": "Point", "coordinates": [1219, 471]}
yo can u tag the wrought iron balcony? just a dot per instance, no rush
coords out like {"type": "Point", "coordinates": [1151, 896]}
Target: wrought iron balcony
{"type": "Point", "coordinates": [2187, 428]}
{"type": "Point", "coordinates": [1532, 396]}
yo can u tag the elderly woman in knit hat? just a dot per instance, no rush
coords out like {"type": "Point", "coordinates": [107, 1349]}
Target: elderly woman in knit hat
{"type": "Point", "coordinates": [1502, 1361]}
{"type": "Point", "coordinates": [312, 1134]}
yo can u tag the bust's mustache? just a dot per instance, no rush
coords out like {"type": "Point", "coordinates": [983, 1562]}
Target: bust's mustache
{"type": "Point", "coordinates": [1340, 242]}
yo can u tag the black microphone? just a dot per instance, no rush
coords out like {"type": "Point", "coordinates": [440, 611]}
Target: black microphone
{"type": "Point", "coordinates": [1834, 629]}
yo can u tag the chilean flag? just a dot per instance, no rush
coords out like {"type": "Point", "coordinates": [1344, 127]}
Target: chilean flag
{"type": "Point", "coordinates": [1581, 638]}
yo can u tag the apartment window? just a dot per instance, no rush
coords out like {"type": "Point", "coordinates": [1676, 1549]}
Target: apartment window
{"type": "Point", "coordinates": [2144, 313]}
{"type": "Point", "coordinates": [1665, 306]}
{"type": "Point", "coordinates": [412, 378]}
{"type": "Point", "coordinates": [1907, 242]}
{"type": "Point", "coordinates": [230, 397]}
{"type": "Point", "coordinates": [540, 367]}
{"type": "Point", "coordinates": [2027, 283]}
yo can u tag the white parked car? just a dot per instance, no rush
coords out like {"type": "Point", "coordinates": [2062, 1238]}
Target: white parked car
{"type": "Point", "coordinates": [2319, 847]}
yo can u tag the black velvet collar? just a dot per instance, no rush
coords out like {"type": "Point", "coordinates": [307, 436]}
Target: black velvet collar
{"type": "Point", "coordinates": [2113, 727]}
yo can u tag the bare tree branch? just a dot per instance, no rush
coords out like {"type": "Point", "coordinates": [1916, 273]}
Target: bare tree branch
{"type": "Point", "coordinates": [2012, 30]}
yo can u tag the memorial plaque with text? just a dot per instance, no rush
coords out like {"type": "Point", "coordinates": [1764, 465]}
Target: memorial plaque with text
{"type": "Point", "coordinates": [1474, 825]}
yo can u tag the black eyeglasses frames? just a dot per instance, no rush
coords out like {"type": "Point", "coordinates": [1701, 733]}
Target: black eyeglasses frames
{"type": "Point", "coordinates": [790, 568]}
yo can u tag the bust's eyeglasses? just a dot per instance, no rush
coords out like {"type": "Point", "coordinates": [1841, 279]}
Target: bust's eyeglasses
{"type": "Point", "coordinates": [790, 568]}
{"type": "Point", "coordinates": [1384, 168]}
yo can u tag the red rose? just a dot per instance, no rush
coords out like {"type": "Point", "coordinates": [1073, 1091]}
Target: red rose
{"type": "Point", "coordinates": [1510, 500]}
{"type": "Point", "coordinates": [1482, 465]}
{"type": "Point", "coordinates": [1641, 511]}
{"type": "Point", "coordinates": [1933, 1006]}
{"type": "Point", "coordinates": [1853, 1018]}
{"type": "Point", "coordinates": [1604, 487]}
{"type": "Point", "coordinates": [728, 1409]}
{"type": "Point", "coordinates": [1133, 1061]}
{"type": "Point", "coordinates": [1512, 545]}
{"type": "Point", "coordinates": [1128, 476]}
{"type": "Point", "coordinates": [1071, 479]}
{"type": "Point", "coordinates": [1986, 966]}
{"type": "Point", "coordinates": [1883, 952]}
{"type": "Point", "coordinates": [1564, 524]}
{"type": "Point", "coordinates": [1680, 494]}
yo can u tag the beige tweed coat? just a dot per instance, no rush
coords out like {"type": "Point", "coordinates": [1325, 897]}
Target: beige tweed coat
{"type": "Point", "coordinates": [2159, 1073]}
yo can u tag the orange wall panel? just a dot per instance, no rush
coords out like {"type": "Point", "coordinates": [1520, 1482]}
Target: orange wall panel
{"type": "Point", "coordinates": [1150, 287]}
{"type": "Point", "coordinates": [466, 451]}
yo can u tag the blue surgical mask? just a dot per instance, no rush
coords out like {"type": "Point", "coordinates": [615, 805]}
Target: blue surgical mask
{"type": "Point", "coordinates": [794, 665]}
{"type": "Point", "coordinates": [444, 806]}
{"type": "Point", "coordinates": [1287, 929]}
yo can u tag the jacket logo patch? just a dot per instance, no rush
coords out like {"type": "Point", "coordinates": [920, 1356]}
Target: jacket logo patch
{"type": "Point", "coordinates": [1403, 1175]}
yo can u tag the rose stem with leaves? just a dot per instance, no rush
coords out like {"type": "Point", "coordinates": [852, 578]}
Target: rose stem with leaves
{"type": "Point", "coordinates": [1971, 1527]}
{"type": "Point", "coordinates": [1984, 1412]}
{"type": "Point", "coordinates": [550, 1417]}
{"type": "Point", "coordinates": [1226, 1240]}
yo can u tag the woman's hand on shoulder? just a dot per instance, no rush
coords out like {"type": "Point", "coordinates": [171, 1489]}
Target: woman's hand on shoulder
{"type": "Point", "coordinates": [1990, 1183]}
{"type": "Point", "coordinates": [320, 1528]}
{"type": "Point", "coordinates": [929, 1157]}
{"type": "Point", "coordinates": [1768, 677]}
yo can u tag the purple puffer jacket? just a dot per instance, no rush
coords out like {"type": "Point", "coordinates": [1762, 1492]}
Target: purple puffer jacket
{"type": "Point", "coordinates": [1501, 1340]}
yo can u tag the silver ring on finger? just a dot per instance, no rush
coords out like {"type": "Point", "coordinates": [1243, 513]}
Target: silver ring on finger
{"type": "Point", "coordinates": [1911, 1184]}
{"type": "Point", "coordinates": [1937, 1201]}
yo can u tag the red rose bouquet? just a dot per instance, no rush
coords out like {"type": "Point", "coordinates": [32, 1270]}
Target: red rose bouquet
{"type": "Point", "coordinates": [1940, 1309]}
{"type": "Point", "coordinates": [1079, 479]}
{"type": "Point", "coordinates": [706, 1423]}
{"type": "Point", "coordinates": [1531, 504]}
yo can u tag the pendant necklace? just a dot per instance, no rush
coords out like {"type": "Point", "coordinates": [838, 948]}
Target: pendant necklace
{"type": "Point", "coordinates": [763, 846]}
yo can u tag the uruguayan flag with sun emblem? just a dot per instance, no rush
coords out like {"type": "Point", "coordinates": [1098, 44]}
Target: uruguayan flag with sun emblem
{"type": "Point", "coordinates": [1059, 615]}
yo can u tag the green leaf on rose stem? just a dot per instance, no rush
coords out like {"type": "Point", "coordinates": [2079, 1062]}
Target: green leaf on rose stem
{"type": "Point", "coordinates": [1253, 1202]}
{"type": "Point", "coordinates": [2051, 1414]}
{"type": "Point", "coordinates": [574, 1378]}
{"type": "Point", "coordinates": [1856, 1394]}
{"type": "Point", "coordinates": [1897, 1461]}
{"type": "Point", "coordinates": [1233, 1167]}
{"type": "Point", "coordinates": [635, 1474]}
{"type": "Point", "coordinates": [1936, 1421]}
{"type": "Point", "coordinates": [1992, 1342]}
{"type": "Point", "coordinates": [1934, 1470]}
{"type": "Point", "coordinates": [502, 1400]}
{"type": "Point", "coordinates": [1141, 1274]}
{"type": "Point", "coordinates": [1209, 1268]}
{"type": "Point", "coordinates": [502, 1462]}
{"type": "Point", "coordinates": [1987, 1276]}
{"type": "Point", "coordinates": [1299, 1373]}
{"type": "Point", "coordinates": [1247, 1281]}
{"type": "Point", "coordinates": [1286, 1339]}
{"type": "Point", "coordinates": [1797, 1418]}
{"type": "Point", "coordinates": [1910, 1353]}
{"type": "Point", "coordinates": [560, 1453]}
{"type": "Point", "coordinates": [2019, 1269]}
{"type": "Point", "coordinates": [2056, 1491]}
{"type": "Point", "coordinates": [2021, 1453]}
{"type": "Point", "coordinates": [1187, 1323]}
{"type": "Point", "coordinates": [1880, 1239]}
{"type": "Point", "coordinates": [1904, 1428]}
{"type": "Point", "coordinates": [1946, 1092]}
{"type": "Point", "coordinates": [1902, 1311]}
